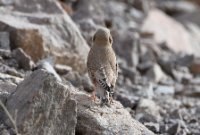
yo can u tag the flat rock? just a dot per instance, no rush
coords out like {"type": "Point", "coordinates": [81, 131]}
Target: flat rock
{"type": "Point", "coordinates": [96, 120]}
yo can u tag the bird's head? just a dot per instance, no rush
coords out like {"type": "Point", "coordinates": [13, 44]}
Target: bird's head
{"type": "Point", "coordinates": [102, 37]}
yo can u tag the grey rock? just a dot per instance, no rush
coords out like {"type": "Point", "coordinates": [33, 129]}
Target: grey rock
{"type": "Point", "coordinates": [4, 40]}
{"type": "Point", "coordinates": [149, 108]}
{"type": "Point", "coordinates": [45, 6]}
{"type": "Point", "coordinates": [5, 53]}
{"type": "Point", "coordinates": [6, 89]}
{"type": "Point", "coordinates": [95, 120]}
{"type": "Point", "coordinates": [80, 81]}
{"type": "Point", "coordinates": [155, 127]}
{"type": "Point", "coordinates": [174, 129]}
{"type": "Point", "coordinates": [189, 17]}
{"type": "Point", "coordinates": [23, 59]}
{"type": "Point", "coordinates": [175, 8]}
{"type": "Point", "coordinates": [11, 78]}
{"type": "Point", "coordinates": [4, 132]}
{"type": "Point", "coordinates": [166, 90]}
{"type": "Point", "coordinates": [126, 45]}
{"type": "Point", "coordinates": [156, 74]}
{"type": "Point", "coordinates": [47, 65]}
{"type": "Point", "coordinates": [43, 106]}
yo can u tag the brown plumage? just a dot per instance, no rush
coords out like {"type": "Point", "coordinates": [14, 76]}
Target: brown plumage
{"type": "Point", "coordinates": [102, 65]}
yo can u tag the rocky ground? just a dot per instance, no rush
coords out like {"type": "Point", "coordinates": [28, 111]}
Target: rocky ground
{"type": "Point", "coordinates": [44, 84]}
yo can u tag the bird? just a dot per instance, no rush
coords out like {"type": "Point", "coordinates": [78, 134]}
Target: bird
{"type": "Point", "coordinates": [102, 66]}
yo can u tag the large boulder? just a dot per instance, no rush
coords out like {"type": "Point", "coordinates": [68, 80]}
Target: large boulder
{"type": "Point", "coordinates": [42, 35]}
{"type": "Point", "coordinates": [43, 106]}
{"type": "Point", "coordinates": [167, 30]}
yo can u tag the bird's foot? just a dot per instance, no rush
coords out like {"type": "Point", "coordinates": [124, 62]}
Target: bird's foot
{"type": "Point", "coordinates": [105, 101]}
{"type": "Point", "coordinates": [93, 97]}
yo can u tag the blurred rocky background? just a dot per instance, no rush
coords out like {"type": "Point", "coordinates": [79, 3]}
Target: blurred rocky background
{"type": "Point", "coordinates": [44, 84]}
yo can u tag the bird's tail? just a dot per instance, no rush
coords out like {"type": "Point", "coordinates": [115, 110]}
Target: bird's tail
{"type": "Point", "coordinates": [103, 81]}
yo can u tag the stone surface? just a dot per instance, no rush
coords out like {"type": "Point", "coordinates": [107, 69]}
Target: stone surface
{"type": "Point", "coordinates": [175, 8]}
{"type": "Point", "coordinates": [44, 35]}
{"type": "Point", "coordinates": [161, 89]}
{"type": "Point", "coordinates": [155, 127]}
{"type": "Point", "coordinates": [4, 40]}
{"type": "Point", "coordinates": [147, 111]}
{"type": "Point", "coordinates": [6, 89]}
{"type": "Point", "coordinates": [95, 120]}
{"type": "Point", "coordinates": [43, 106]}
{"type": "Point", "coordinates": [45, 6]}
{"type": "Point", "coordinates": [47, 65]}
{"type": "Point", "coordinates": [168, 30]}
{"type": "Point", "coordinates": [126, 45]}
{"type": "Point", "coordinates": [195, 66]}
{"type": "Point", "coordinates": [23, 59]}
{"type": "Point", "coordinates": [62, 69]}
{"type": "Point", "coordinates": [156, 74]}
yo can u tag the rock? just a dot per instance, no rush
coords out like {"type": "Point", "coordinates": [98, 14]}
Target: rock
{"type": "Point", "coordinates": [175, 8]}
{"type": "Point", "coordinates": [129, 72]}
{"type": "Point", "coordinates": [47, 35]}
{"type": "Point", "coordinates": [155, 127]}
{"type": "Point", "coordinates": [194, 31]}
{"type": "Point", "coordinates": [156, 74]}
{"type": "Point", "coordinates": [112, 14]}
{"type": "Point", "coordinates": [47, 65]}
{"type": "Point", "coordinates": [192, 17]}
{"type": "Point", "coordinates": [195, 66]}
{"type": "Point", "coordinates": [149, 108]}
{"type": "Point", "coordinates": [62, 69]}
{"type": "Point", "coordinates": [127, 100]}
{"type": "Point", "coordinates": [195, 1]}
{"type": "Point", "coordinates": [166, 29]}
{"type": "Point", "coordinates": [6, 2]}
{"type": "Point", "coordinates": [95, 120]}
{"type": "Point", "coordinates": [174, 129]}
{"type": "Point", "coordinates": [5, 53]}
{"type": "Point", "coordinates": [126, 45]}
{"type": "Point", "coordinates": [23, 59]}
{"type": "Point", "coordinates": [81, 81]}
{"type": "Point", "coordinates": [86, 83]}
{"type": "Point", "coordinates": [46, 6]}
{"type": "Point", "coordinates": [5, 132]}
{"type": "Point", "coordinates": [43, 106]}
{"type": "Point", "coordinates": [6, 89]}
{"type": "Point", "coordinates": [13, 79]}
{"type": "Point", "coordinates": [176, 114]}
{"type": "Point", "coordinates": [166, 90]}
{"type": "Point", "coordinates": [4, 40]}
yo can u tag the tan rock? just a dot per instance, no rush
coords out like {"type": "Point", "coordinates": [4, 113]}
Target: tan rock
{"type": "Point", "coordinates": [168, 30]}
{"type": "Point", "coordinates": [47, 35]}
{"type": "Point", "coordinates": [195, 66]}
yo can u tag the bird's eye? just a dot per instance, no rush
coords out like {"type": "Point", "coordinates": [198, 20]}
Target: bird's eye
{"type": "Point", "coordinates": [110, 40]}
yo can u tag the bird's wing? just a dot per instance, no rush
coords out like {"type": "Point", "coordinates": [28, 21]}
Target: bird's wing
{"type": "Point", "coordinates": [102, 79]}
